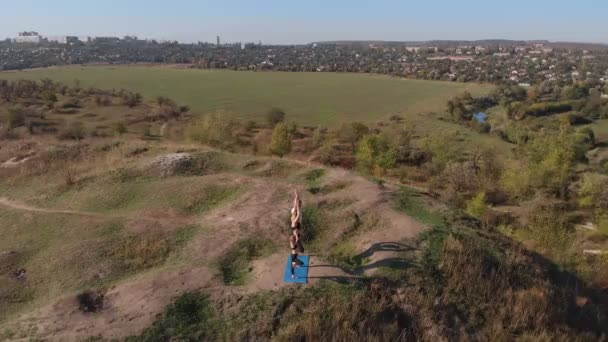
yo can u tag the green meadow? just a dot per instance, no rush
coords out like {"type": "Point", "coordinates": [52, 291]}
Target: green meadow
{"type": "Point", "coordinates": [308, 98]}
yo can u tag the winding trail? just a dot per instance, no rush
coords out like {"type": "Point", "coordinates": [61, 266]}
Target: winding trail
{"type": "Point", "coordinates": [24, 207]}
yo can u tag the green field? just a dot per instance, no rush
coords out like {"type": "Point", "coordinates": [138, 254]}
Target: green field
{"type": "Point", "coordinates": [308, 98]}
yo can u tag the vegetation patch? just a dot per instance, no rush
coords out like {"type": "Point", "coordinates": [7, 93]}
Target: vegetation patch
{"type": "Point", "coordinates": [141, 252]}
{"type": "Point", "coordinates": [315, 222]}
{"type": "Point", "coordinates": [235, 265]}
{"type": "Point", "coordinates": [184, 234]}
{"type": "Point", "coordinates": [345, 255]}
{"type": "Point", "coordinates": [191, 317]}
{"type": "Point", "coordinates": [314, 175]}
{"type": "Point", "coordinates": [91, 301]}
{"type": "Point", "coordinates": [211, 197]}
{"type": "Point", "coordinates": [329, 188]}
{"type": "Point", "coordinates": [410, 203]}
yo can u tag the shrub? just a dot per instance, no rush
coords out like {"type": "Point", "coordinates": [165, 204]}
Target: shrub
{"type": "Point", "coordinates": [549, 225]}
{"type": "Point", "coordinates": [235, 264]}
{"type": "Point", "coordinates": [131, 99]}
{"type": "Point", "coordinates": [103, 100]}
{"type": "Point", "coordinates": [164, 101]}
{"type": "Point", "coordinates": [189, 318]}
{"type": "Point", "coordinates": [90, 301]}
{"type": "Point", "coordinates": [352, 133]}
{"type": "Point", "coordinates": [593, 191]}
{"type": "Point", "coordinates": [16, 117]}
{"type": "Point", "coordinates": [49, 96]}
{"type": "Point", "coordinates": [274, 116]}
{"type": "Point", "coordinates": [213, 130]}
{"type": "Point", "coordinates": [478, 206]}
{"type": "Point", "coordinates": [280, 144]}
{"type": "Point", "coordinates": [540, 109]}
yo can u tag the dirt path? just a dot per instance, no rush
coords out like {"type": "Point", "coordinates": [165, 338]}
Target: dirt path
{"type": "Point", "coordinates": [24, 207]}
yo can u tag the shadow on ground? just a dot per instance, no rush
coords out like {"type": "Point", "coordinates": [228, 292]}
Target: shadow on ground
{"type": "Point", "coordinates": [394, 262]}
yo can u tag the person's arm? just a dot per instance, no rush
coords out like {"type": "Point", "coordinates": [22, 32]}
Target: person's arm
{"type": "Point", "coordinates": [295, 200]}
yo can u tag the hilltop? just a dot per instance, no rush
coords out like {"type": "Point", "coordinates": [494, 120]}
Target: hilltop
{"type": "Point", "coordinates": [130, 217]}
{"type": "Point", "coordinates": [139, 229]}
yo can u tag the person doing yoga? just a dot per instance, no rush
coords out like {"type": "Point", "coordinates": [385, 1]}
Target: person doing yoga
{"type": "Point", "coordinates": [295, 242]}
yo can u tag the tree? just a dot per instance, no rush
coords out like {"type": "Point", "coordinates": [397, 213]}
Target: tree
{"type": "Point", "coordinates": [213, 130]}
{"type": "Point", "coordinates": [573, 92]}
{"type": "Point", "coordinates": [280, 144]}
{"type": "Point", "coordinates": [477, 206]}
{"type": "Point", "coordinates": [352, 133]}
{"type": "Point", "coordinates": [440, 146]}
{"type": "Point", "coordinates": [375, 155]}
{"type": "Point", "coordinates": [456, 109]}
{"type": "Point", "coordinates": [274, 116]}
{"type": "Point", "coordinates": [131, 99]}
{"type": "Point", "coordinates": [549, 165]}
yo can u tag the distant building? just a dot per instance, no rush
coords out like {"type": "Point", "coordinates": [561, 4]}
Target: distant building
{"type": "Point", "coordinates": [218, 40]}
{"type": "Point", "coordinates": [106, 39]}
{"type": "Point", "coordinates": [242, 46]}
{"type": "Point", "coordinates": [57, 39]}
{"type": "Point", "coordinates": [28, 37]}
{"type": "Point", "coordinates": [412, 48]}
{"type": "Point", "coordinates": [452, 58]}
{"type": "Point", "coordinates": [501, 54]}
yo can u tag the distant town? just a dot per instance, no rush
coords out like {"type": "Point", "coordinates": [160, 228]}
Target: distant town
{"type": "Point", "coordinates": [492, 61]}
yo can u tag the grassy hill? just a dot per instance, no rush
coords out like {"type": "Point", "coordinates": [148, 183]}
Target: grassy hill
{"type": "Point", "coordinates": [308, 98]}
{"type": "Point", "coordinates": [142, 234]}
{"type": "Point", "coordinates": [154, 240]}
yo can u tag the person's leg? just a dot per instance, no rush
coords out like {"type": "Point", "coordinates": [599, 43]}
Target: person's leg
{"type": "Point", "coordinates": [296, 260]}
{"type": "Point", "coordinates": [294, 264]}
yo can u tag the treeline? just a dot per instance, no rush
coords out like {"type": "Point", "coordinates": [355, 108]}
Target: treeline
{"type": "Point", "coordinates": [396, 61]}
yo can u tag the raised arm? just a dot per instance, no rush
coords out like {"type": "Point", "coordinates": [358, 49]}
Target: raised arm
{"type": "Point", "coordinates": [296, 199]}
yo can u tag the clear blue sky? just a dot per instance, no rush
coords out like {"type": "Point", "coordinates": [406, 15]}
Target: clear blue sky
{"type": "Point", "coordinates": [289, 21]}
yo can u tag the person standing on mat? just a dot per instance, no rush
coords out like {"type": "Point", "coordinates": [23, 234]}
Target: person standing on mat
{"type": "Point", "coordinates": [295, 262]}
{"type": "Point", "coordinates": [295, 242]}
{"type": "Point", "coordinates": [296, 221]}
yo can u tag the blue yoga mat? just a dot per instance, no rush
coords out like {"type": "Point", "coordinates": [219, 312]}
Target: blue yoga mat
{"type": "Point", "coordinates": [300, 272]}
